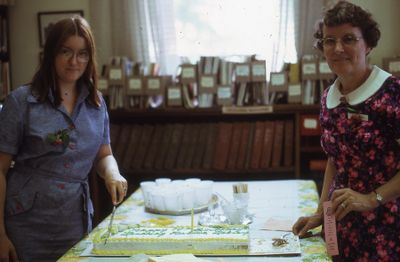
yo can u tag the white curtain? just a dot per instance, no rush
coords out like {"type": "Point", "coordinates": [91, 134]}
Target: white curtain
{"type": "Point", "coordinates": [306, 15]}
{"type": "Point", "coordinates": [142, 30]}
{"type": "Point", "coordinates": [283, 50]}
{"type": "Point", "coordinates": [296, 24]}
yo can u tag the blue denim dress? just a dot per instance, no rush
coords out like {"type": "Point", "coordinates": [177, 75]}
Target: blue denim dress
{"type": "Point", "coordinates": [48, 207]}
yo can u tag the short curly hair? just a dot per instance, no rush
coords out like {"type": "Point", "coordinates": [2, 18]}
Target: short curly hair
{"type": "Point", "coordinates": [347, 13]}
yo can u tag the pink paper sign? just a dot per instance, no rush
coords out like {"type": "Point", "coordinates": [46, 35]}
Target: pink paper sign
{"type": "Point", "coordinates": [330, 229]}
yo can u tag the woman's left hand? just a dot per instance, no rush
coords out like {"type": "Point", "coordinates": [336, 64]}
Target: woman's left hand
{"type": "Point", "coordinates": [117, 187]}
{"type": "Point", "coordinates": [346, 200]}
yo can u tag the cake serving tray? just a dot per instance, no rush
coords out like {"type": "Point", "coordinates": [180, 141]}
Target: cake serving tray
{"type": "Point", "coordinates": [213, 201]}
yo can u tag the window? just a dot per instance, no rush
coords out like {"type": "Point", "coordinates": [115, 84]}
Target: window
{"type": "Point", "coordinates": [229, 27]}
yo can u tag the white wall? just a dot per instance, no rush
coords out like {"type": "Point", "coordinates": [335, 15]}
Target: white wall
{"type": "Point", "coordinates": [386, 13]}
{"type": "Point", "coordinates": [24, 39]}
{"type": "Point", "coordinates": [24, 34]}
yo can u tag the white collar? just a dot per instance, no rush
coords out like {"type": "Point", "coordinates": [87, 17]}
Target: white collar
{"type": "Point", "coordinates": [362, 93]}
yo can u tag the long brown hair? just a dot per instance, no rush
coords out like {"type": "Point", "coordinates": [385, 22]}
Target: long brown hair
{"type": "Point", "coordinates": [45, 79]}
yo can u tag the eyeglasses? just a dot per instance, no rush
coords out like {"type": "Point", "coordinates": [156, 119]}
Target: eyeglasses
{"type": "Point", "coordinates": [347, 40]}
{"type": "Point", "coordinates": [81, 56]}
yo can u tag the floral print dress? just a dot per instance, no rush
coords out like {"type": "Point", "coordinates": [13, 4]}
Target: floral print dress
{"type": "Point", "coordinates": [360, 133]}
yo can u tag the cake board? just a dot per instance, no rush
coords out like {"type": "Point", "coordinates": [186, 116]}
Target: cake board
{"type": "Point", "coordinates": [260, 245]}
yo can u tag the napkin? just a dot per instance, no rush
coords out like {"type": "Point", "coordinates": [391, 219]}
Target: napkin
{"type": "Point", "coordinates": [278, 224]}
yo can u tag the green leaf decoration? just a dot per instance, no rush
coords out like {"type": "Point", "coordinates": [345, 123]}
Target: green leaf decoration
{"type": "Point", "coordinates": [61, 137]}
{"type": "Point", "coordinates": [51, 138]}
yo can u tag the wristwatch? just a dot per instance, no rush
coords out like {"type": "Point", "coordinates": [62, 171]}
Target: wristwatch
{"type": "Point", "coordinates": [378, 197]}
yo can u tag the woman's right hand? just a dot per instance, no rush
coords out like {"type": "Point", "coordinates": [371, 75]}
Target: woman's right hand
{"type": "Point", "coordinates": [304, 224]}
{"type": "Point", "coordinates": [7, 250]}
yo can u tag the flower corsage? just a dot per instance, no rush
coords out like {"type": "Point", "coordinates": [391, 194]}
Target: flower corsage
{"type": "Point", "coordinates": [61, 137]}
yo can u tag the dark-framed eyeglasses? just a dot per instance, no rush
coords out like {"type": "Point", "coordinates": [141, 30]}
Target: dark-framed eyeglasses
{"type": "Point", "coordinates": [347, 40]}
{"type": "Point", "coordinates": [82, 56]}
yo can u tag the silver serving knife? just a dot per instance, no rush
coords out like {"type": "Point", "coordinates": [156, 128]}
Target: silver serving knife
{"type": "Point", "coordinates": [110, 224]}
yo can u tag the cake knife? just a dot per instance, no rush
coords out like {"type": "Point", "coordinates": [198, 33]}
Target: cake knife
{"type": "Point", "coordinates": [110, 224]}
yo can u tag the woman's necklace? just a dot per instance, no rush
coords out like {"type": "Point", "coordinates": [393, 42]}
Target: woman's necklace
{"type": "Point", "coordinates": [67, 93]}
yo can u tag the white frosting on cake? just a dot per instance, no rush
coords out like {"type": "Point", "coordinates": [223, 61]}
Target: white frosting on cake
{"type": "Point", "coordinates": [169, 240]}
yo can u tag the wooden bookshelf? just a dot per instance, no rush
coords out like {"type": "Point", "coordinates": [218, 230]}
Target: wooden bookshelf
{"type": "Point", "coordinates": [171, 112]}
{"type": "Point", "coordinates": [311, 149]}
{"type": "Point", "coordinates": [165, 116]}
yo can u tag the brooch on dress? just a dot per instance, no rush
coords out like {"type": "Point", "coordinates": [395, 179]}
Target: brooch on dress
{"type": "Point", "coordinates": [61, 137]}
{"type": "Point", "coordinates": [354, 115]}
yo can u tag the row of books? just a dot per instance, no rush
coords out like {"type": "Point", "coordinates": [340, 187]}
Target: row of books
{"type": "Point", "coordinates": [305, 82]}
{"type": "Point", "coordinates": [211, 71]}
{"type": "Point", "coordinates": [210, 82]}
{"type": "Point", "coordinates": [201, 146]}
{"type": "Point", "coordinates": [121, 79]}
{"type": "Point", "coordinates": [213, 81]}
{"type": "Point", "coordinates": [300, 83]}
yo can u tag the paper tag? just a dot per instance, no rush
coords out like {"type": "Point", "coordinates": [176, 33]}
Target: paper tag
{"type": "Point", "coordinates": [242, 70]}
{"type": "Point", "coordinates": [153, 84]}
{"type": "Point", "coordinates": [174, 93]}
{"type": "Point", "coordinates": [310, 123]}
{"type": "Point", "coordinates": [277, 79]}
{"type": "Point", "coordinates": [135, 84]}
{"type": "Point", "coordinates": [294, 90]}
{"type": "Point", "coordinates": [330, 229]}
{"type": "Point", "coordinates": [188, 72]}
{"type": "Point", "coordinates": [309, 69]}
{"type": "Point", "coordinates": [258, 70]}
{"type": "Point", "coordinates": [102, 84]}
{"type": "Point", "coordinates": [224, 92]}
{"type": "Point", "coordinates": [115, 74]}
{"type": "Point", "coordinates": [207, 81]}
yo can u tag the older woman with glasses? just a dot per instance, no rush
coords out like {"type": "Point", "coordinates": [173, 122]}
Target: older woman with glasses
{"type": "Point", "coordinates": [54, 129]}
{"type": "Point", "coordinates": [360, 121]}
